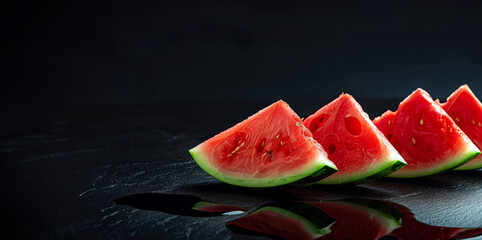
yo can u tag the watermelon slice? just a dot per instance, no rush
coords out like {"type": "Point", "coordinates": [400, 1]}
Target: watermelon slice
{"type": "Point", "coordinates": [464, 107]}
{"type": "Point", "coordinates": [286, 219]}
{"type": "Point", "coordinates": [270, 148]}
{"type": "Point", "coordinates": [356, 146]}
{"type": "Point", "coordinates": [426, 137]}
{"type": "Point", "coordinates": [359, 218]}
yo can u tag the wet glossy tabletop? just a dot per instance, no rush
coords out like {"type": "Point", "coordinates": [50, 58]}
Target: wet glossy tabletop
{"type": "Point", "coordinates": [62, 171]}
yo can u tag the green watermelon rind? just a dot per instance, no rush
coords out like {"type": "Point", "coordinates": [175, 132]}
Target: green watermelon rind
{"type": "Point", "coordinates": [317, 169]}
{"type": "Point", "coordinates": [468, 154]}
{"type": "Point", "coordinates": [315, 231]}
{"type": "Point", "coordinates": [470, 165]}
{"type": "Point", "coordinates": [383, 169]}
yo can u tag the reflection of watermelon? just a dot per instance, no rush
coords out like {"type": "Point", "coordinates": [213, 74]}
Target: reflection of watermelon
{"type": "Point", "coordinates": [425, 136]}
{"type": "Point", "coordinates": [352, 218]}
{"type": "Point", "coordinates": [224, 209]}
{"type": "Point", "coordinates": [361, 218]}
{"type": "Point", "coordinates": [464, 107]}
{"type": "Point", "coordinates": [286, 219]}
{"type": "Point", "coordinates": [178, 204]}
{"type": "Point", "coordinates": [354, 144]}
{"type": "Point", "coordinates": [414, 230]}
{"type": "Point", "coordinates": [469, 233]}
{"type": "Point", "coordinates": [270, 148]}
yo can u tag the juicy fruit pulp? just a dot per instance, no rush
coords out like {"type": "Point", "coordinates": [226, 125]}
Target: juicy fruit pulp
{"type": "Point", "coordinates": [425, 136]}
{"type": "Point", "coordinates": [464, 107]}
{"type": "Point", "coordinates": [358, 149]}
{"type": "Point", "coordinates": [268, 149]}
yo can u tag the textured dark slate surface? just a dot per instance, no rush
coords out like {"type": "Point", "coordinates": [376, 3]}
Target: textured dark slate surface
{"type": "Point", "coordinates": [61, 171]}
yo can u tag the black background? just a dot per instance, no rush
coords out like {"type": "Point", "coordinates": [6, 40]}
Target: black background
{"type": "Point", "coordinates": [120, 52]}
{"type": "Point", "coordinates": [170, 74]}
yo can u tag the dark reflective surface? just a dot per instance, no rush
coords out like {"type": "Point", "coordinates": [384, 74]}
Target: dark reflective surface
{"type": "Point", "coordinates": [178, 204]}
{"type": "Point", "coordinates": [352, 219]}
{"type": "Point", "coordinates": [62, 170]}
{"type": "Point", "coordinates": [413, 229]}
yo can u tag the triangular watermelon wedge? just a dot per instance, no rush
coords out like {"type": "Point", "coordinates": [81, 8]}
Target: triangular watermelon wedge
{"type": "Point", "coordinates": [270, 148]}
{"type": "Point", "coordinates": [426, 137]}
{"type": "Point", "coordinates": [465, 108]}
{"type": "Point", "coordinates": [356, 146]}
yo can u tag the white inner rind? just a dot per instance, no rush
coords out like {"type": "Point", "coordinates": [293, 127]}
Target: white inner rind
{"type": "Point", "coordinates": [381, 165]}
{"type": "Point", "coordinates": [476, 162]}
{"type": "Point", "coordinates": [313, 166]}
{"type": "Point", "coordinates": [473, 164]}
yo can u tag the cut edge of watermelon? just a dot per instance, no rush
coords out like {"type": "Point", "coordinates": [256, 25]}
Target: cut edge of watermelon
{"type": "Point", "coordinates": [465, 156]}
{"type": "Point", "coordinates": [317, 169]}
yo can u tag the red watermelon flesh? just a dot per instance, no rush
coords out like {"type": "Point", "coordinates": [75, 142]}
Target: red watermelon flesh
{"type": "Point", "coordinates": [426, 137]}
{"type": "Point", "coordinates": [358, 149]}
{"type": "Point", "coordinates": [465, 108]}
{"type": "Point", "coordinates": [270, 148]}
